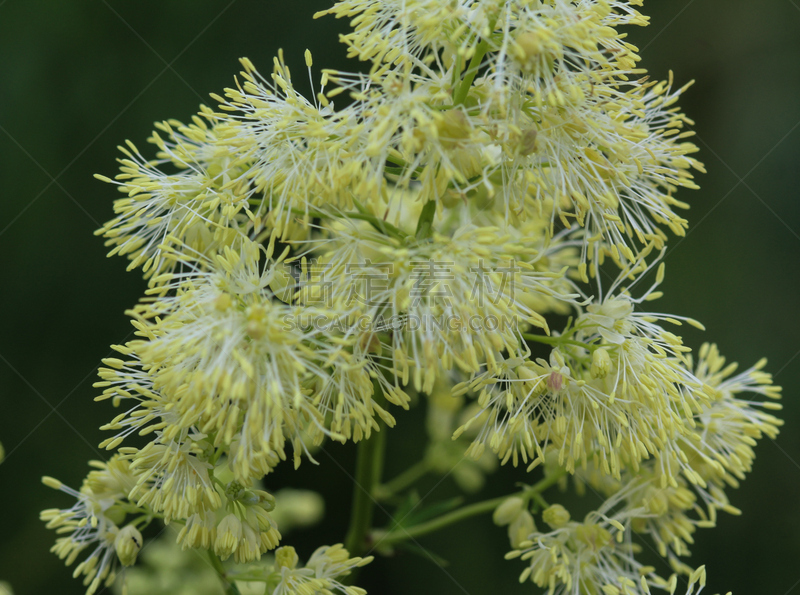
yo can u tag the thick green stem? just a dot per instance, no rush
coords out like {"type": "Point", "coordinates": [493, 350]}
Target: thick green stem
{"type": "Point", "coordinates": [229, 587]}
{"type": "Point", "coordinates": [369, 466]}
{"type": "Point", "coordinates": [487, 506]}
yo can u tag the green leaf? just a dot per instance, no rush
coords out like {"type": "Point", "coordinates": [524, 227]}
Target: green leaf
{"type": "Point", "coordinates": [425, 222]}
{"type": "Point", "coordinates": [422, 552]}
{"type": "Point", "coordinates": [409, 513]}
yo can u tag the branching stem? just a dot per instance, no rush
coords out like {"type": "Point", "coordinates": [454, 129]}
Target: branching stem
{"type": "Point", "coordinates": [403, 534]}
{"type": "Point", "coordinates": [407, 478]}
{"type": "Point", "coordinates": [229, 587]}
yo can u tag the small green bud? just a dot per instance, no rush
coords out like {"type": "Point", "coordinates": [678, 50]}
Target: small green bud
{"type": "Point", "coordinates": [128, 543]}
{"type": "Point", "coordinates": [229, 534]}
{"type": "Point", "coordinates": [286, 557]}
{"type": "Point", "coordinates": [521, 528]}
{"type": "Point", "coordinates": [656, 502]}
{"type": "Point", "coordinates": [508, 511]}
{"type": "Point", "coordinates": [556, 516]}
{"type": "Point", "coordinates": [601, 363]}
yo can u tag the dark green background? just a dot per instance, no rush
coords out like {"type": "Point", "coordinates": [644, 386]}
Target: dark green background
{"type": "Point", "coordinates": [78, 77]}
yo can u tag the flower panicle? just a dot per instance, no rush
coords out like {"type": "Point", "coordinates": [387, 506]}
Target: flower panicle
{"type": "Point", "coordinates": [316, 263]}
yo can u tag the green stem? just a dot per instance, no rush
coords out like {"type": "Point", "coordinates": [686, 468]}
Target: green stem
{"type": "Point", "coordinates": [558, 341]}
{"type": "Point", "coordinates": [402, 163]}
{"type": "Point", "coordinates": [461, 93]}
{"type": "Point", "coordinates": [404, 480]}
{"type": "Point", "coordinates": [369, 466]}
{"type": "Point", "coordinates": [542, 502]}
{"type": "Point", "coordinates": [380, 225]}
{"type": "Point", "coordinates": [229, 587]}
{"type": "Point", "coordinates": [487, 506]}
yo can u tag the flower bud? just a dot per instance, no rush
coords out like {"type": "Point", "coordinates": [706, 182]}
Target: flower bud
{"type": "Point", "coordinates": [265, 500]}
{"type": "Point", "coordinates": [223, 302]}
{"type": "Point", "coordinates": [531, 377]}
{"type": "Point", "coordinates": [527, 142]}
{"type": "Point", "coordinates": [283, 283]}
{"type": "Point", "coordinates": [656, 502]}
{"type": "Point", "coordinates": [532, 46]}
{"type": "Point", "coordinates": [453, 127]}
{"type": "Point", "coordinates": [128, 543]}
{"type": "Point", "coordinates": [298, 508]}
{"type": "Point", "coordinates": [286, 557]}
{"type": "Point", "coordinates": [508, 511]}
{"type": "Point", "coordinates": [256, 327]}
{"type": "Point", "coordinates": [601, 363]}
{"type": "Point", "coordinates": [521, 528]}
{"type": "Point", "coordinates": [229, 534]}
{"type": "Point", "coordinates": [556, 516]}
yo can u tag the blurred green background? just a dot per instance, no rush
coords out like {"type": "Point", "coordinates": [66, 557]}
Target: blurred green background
{"type": "Point", "coordinates": [78, 77]}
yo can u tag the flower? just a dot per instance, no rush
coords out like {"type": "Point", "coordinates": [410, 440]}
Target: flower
{"type": "Point", "coordinates": [299, 151]}
{"type": "Point", "coordinates": [172, 479]}
{"type": "Point", "coordinates": [199, 531]}
{"type": "Point", "coordinates": [405, 121]}
{"type": "Point", "coordinates": [668, 514]}
{"type": "Point", "coordinates": [421, 32]}
{"type": "Point", "coordinates": [127, 544]}
{"type": "Point", "coordinates": [222, 356]}
{"type": "Point", "coordinates": [90, 525]}
{"type": "Point", "coordinates": [595, 556]}
{"type": "Point", "coordinates": [241, 526]}
{"type": "Point", "coordinates": [397, 31]}
{"type": "Point", "coordinates": [319, 575]}
{"type": "Point", "coordinates": [200, 204]}
{"type": "Point", "coordinates": [450, 301]}
{"type": "Point", "coordinates": [727, 430]}
{"type": "Point", "coordinates": [634, 400]}
{"type": "Point", "coordinates": [553, 116]}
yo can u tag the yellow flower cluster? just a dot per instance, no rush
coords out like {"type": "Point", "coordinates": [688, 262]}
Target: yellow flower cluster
{"type": "Point", "coordinates": [554, 117]}
{"type": "Point", "coordinates": [96, 523]}
{"type": "Point", "coordinates": [594, 556]}
{"type": "Point", "coordinates": [408, 235]}
{"type": "Point", "coordinates": [319, 575]}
